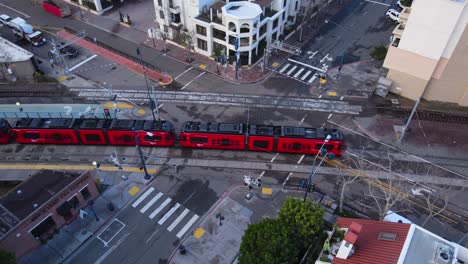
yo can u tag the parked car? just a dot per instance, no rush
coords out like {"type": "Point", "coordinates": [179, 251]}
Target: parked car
{"type": "Point", "coordinates": [5, 19]}
{"type": "Point", "coordinates": [69, 50]}
{"type": "Point", "coordinates": [393, 15]}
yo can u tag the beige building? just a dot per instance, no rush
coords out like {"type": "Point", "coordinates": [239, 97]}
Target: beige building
{"type": "Point", "coordinates": [428, 56]}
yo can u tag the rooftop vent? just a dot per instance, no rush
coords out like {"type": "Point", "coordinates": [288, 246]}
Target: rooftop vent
{"type": "Point", "coordinates": [387, 236]}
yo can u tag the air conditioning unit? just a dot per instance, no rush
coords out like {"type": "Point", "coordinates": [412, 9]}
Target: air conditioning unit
{"type": "Point", "coordinates": [443, 255]}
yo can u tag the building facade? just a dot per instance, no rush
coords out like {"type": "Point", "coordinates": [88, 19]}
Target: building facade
{"type": "Point", "coordinates": [35, 210]}
{"type": "Point", "coordinates": [215, 25]}
{"type": "Point", "coordinates": [16, 63]}
{"type": "Point", "coordinates": [428, 56]}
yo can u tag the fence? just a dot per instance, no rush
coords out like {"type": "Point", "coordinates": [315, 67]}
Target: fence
{"type": "Point", "coordinates": [17, 115]}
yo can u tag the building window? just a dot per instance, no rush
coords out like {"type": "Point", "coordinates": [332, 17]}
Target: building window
{"type": "Point", "coordinates": [201, 44]}
{"type": "Point", "coordinates": [201, 30]}
{"type": "Point", "coordinates": [297, 6]}
{"type": "Point", "coordinates": [284, 16]}
{"type": "Point", "coordinates": [161, 14]}
{"type": "Point", "coordinates": [160, 3]}
{"type": "Point", "coordinates": [43, 227]}
{"type": "Point", "coordinates": [85, 193]}
{"type": "Point", "coordinates": [284, 3]}
{"type": "Point", "coordinates": [387, 236]}
{"type": "Point", "coordinates": [74, 202]}
{"type": "Point", "coordinates": [263, 29]}
{"type": "Point", "coordinates": [275, 23]}
{"type": "Point", "coordinates": [218, 34]}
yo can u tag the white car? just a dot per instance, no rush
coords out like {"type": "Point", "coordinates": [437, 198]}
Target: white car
{"type": "Point", "coordinates": [5, 19]}
{"type": "Point", "coordinates": [393, 15]}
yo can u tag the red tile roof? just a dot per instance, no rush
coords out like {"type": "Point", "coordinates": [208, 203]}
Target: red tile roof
{"type": "Point", "coordinates": [368, 248]}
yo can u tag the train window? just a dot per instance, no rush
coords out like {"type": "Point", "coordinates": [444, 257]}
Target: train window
{"type": "Point", "coordinates": [183, 138]}
{"type": "Point", "coordinates": [260, 144]}
{"type": "Point", "coordinates": [57, 137]}
{"type": "Point", "coordinates": [92, 137]}
{"type": "Point", "coordinates": [318, 146]}
{"type": "Point", "coordinates": [328, 147]}
{"type": "Point", "coordinates": [31, 135]}
{"type": "Point", "coordinates": [296, 146]}
{"type": "Point", "coordinates": [199, 140]}
{"type": "Point", "coordinates": [127, 138]}
{"type": "Point", "coordinates": [225, 141]}
{"type": "Point", "coordinates": [168, 138]}
{"type": "Point", "coordinates": [342, 147]}
{"type": "Point", "coordinates": [155, 138]}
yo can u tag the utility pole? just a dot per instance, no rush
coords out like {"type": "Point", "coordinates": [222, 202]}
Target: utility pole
{"type": "Point", "coordinates": [146, 82]}
{"type": "Point", "coordinates": [236, 46]}
{"type": "Point", "coordinates": [409, 120]}
{"type": "Point", "coordinates": [156, 104]}
{"type": "Point", "coordinates": [140, 152]}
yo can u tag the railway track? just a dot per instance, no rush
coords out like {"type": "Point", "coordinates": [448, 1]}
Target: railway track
{"type": "Point", "coordinates": [36, 90]}
{"type": "Point", "coordinates": [427, 115]}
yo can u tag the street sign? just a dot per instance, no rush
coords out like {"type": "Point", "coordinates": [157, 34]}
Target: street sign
{"type": "Point", "coordinates": [236, 43]}
{"type": "Point", "coordinates": [83, 213]}
{"type": "Point", "coordinates": [237, 53]}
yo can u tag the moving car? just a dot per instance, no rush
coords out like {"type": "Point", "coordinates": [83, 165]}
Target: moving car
{"type": "Point", "coordinates": [393, 15]}
{"type": "Point", "coordinates": [69, 50]}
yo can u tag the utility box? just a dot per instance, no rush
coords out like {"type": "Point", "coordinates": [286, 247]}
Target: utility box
{"type": "Point", "coordinates": [383, 86]}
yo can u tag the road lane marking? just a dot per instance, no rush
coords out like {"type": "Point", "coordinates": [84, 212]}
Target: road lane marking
{"type": "Point", "coordinates": [193, 80]}
{"type": "Point", "coordinates": [152, 236]}
{"type": "Point", "coordinates": [161, 105]}
{"type": "Point", "coordinates": [261, 174]}
{"type": "Point", "coordinates": [150, 203]}
{"type": "Point", "coordinates": [284, 68]}
{"type": "Point", "coordinates": [305, 75]}
{"type": "Point", "coordinates": [291, 70]}
{"type": "Point", "coordinates": [142, 197]}
{"type": "Point", "coordinates": [330, 115]}
{"type": "Point", "coordinates": [19, 12]}
{"type": "Point", "coordinates": [159, 209]}
{"type": "Point", "coordinates": [341, 98]}
{"type": "Point", "coordinates": [375, 2]}
{"type": "Point", "coordinates": [106, 243]}
{"type": "Point", "coordinates": [177, 221]}
{"type": "Point", "coordinates": [168, 214]}
{"type": "Point", "coordinates": [108, 252]}
{"type": "Point", "coordinates": [190, 196]}
{"type": "Point", "coordinates": [300, 160]}
{"type": "Point", "coordinates": [178, 76]}
{"type": "Point", "coordinates": [187, 226]}
{"type": "Point", "coordinates": [320, 96]}
{"type": "Point", "coordinates": [83, 62]}
{"type": "Point", "coordinates": [273, 159]}
{"type": "Point", "coordinates": [302, 120]}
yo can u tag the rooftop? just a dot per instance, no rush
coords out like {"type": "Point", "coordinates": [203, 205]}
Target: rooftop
{"type": "Point", "coordinates": [37, 190]}
{"type": "Point", "coordinates": [242, 10]}
{"type": "Point", "coordinates": [10, 52]}
{"type": "Point", "coordinates": [371, 247]}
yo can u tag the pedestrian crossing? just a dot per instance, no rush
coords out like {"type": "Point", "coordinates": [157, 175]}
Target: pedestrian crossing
{"type": "Point", "coordinates": [298, 72]}
{"type": "Point", "coordinates": [158, 207]}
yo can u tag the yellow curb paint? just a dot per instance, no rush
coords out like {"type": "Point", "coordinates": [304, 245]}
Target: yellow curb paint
{"type": "Point", "coordinates": [66, 167]}
{"type": "Point", "coordinates": [199, 232]}
{"type": "Point", "coordinates": [133, 190]}
{"type": "Point", "coordinates": [119, 105]}
{"type": "Point", "coordinates": [332, 93]}
{"type": "Point", "coordinates": [202, 66]}
{"type": "Point", "coordinates": [267, 191]}
{"type": "Point", "coordinates": [141, 111]}
{"type": "Point", "coordinates": [62, 78]}
{"type": "Point", "coordinates": [275, 65]}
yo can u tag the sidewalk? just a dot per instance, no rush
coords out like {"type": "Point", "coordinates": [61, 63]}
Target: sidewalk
{"type": "Point", "coordinates": [72, 236]}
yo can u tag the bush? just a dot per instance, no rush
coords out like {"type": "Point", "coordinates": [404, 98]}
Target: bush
{"type": "Point", "coordinates": [407, 2]}
{"type": "Point", "coordinates": [379, 53]}
{"type": "Point", "coordinates": [90, 5]}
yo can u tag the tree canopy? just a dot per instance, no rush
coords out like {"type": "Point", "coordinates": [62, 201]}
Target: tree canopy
{"type": "Point", "coordinates": [7, 257]}
{"type": "Point", "coordinates": [285, 239]}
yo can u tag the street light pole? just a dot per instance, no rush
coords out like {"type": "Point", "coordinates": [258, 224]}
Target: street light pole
{"type": "Point", "coordinates": [146, 82]}
{"type": "Point", "coordinates": [140, 152]}
{"type": "Point", "coordinates": [156, 104]}
{"type": "Point", "coordinates": [309, 180]}
{"type": "Point", "coordinates": [409, 120]}
{"type": "Point", "coordinates": [344, 51]}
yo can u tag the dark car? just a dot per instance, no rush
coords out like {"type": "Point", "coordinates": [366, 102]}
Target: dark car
{"type": "Point", "coordinates": [69, 50]}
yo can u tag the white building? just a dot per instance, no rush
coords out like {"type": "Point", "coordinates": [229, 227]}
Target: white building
{"type": "Point", "coordinates": [217, 24]}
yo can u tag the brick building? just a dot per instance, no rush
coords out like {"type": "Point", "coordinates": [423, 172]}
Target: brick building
{"type": "Point", "coordinates": [34, 211]}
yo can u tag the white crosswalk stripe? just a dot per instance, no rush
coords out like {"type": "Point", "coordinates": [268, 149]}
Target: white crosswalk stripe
{"type": "Point", "coordinates": [284, 68]}
{"type": "Point", "coordinates": [142, 197]}
{"type": "Point", "coordinates": [150, 203]}
{"type": "Point", "coordinates": [291, 70]}
{"type": "Point", "coordinates": [305, 75]}
{"type": "Point", "coordinates": [177, 221]}
{"type": "Point", "coordinates": [159, 209]}
{"type": "Point", "coordinates": [298, 72]}
{"type": "Point", "coordinates": [187, 226]}
{"type": "Point", "coordinates": [168, 214]}
{"type": "Point", "coordinates": [312, 79]}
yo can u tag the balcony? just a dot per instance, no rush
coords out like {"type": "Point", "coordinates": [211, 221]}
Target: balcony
{"type": "Point", "coordinates": [398, 31]}
{"type": "Point", "coordinates": [174, 9]}
{"type": "Point", "coordinates": [404, 15]}
{"type": "Point", "coordinates": [331, 246]}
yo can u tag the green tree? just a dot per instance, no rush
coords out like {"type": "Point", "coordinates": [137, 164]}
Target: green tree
{"type": "Point", "coordinates": [7, 257]}
{"type": "Point", "coordinates": [406, 2]}
{"type": "Point", "coordinates": [285, 239]}
{"type": "Point", "coordinates": [379, 53]}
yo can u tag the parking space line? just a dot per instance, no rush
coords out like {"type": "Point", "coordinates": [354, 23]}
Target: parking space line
{"type": "Point", "coordinates": [19, 12]}
{"type": "Point", "coordinates": [108, 252]}
{"type": "Point", "coordinates": [178, 76]}
{"type": "Point", "coordinates": [116, 233]}
{"type": "Point", "coordinates": [150, 203]}
{"type": "Point", "coordinates": [193, 80]}
{"type": "Point", "coordinates": [142, 197]}
{"type": "Point", "coordinates": [168, 214]}
{"type": "Point", "coordinates": [375, 2]}
{"type": "Point", "coordinates": [159, 209]}
{"type": "Point", "coordinates": [187, 226]}
{"type": "Point", "coordinates": [177, 221]}
{"type": "Point", "coordinates": [83, 62]}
